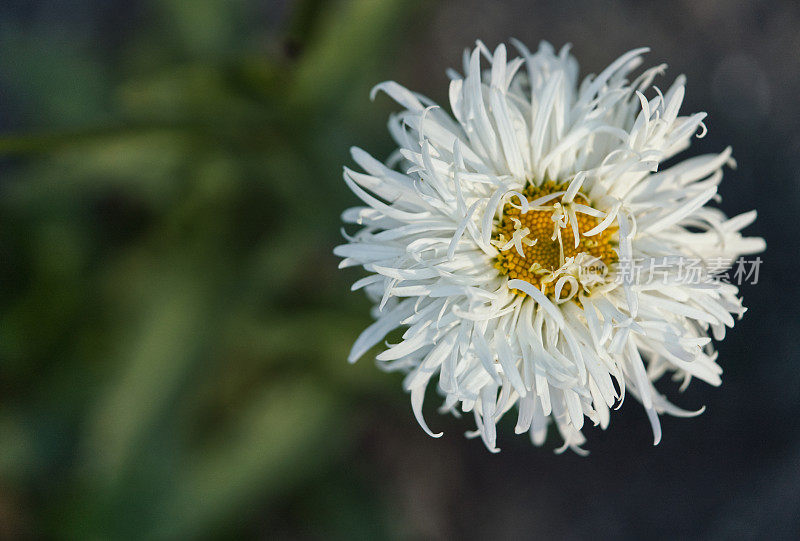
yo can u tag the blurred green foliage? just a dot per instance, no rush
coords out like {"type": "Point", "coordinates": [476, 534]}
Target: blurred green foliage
{"type": "Point", "coordinates": [174, 329]}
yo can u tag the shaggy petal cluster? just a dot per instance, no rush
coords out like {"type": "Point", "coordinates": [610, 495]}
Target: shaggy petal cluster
{"type": "Point", "coordinates": [432, 241]}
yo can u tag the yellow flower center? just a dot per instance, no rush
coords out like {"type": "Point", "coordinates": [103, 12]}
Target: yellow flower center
{"type": "Point", "coordinates": [534, 231]}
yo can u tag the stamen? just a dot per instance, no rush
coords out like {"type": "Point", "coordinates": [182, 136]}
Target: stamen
{"type": "Point", "coordinates": [550, 247]}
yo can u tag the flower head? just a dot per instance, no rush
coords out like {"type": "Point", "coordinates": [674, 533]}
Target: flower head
{"type": "Point", "coordinates": [508, 242]}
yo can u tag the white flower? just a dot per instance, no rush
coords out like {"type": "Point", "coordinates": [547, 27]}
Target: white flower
{"type": "Point", "coordinates": [502, 241]}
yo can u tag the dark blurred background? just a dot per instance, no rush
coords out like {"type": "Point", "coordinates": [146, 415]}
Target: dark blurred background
{"type": "Point", "coordinates": [173, 328]}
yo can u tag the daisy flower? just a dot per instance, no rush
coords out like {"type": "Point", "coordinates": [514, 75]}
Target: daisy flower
{"type": "Point", "coordinates": [510, 241]}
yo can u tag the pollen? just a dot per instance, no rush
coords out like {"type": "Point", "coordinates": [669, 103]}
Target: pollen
{"type": "Point", "coordinates": [534, 244]}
